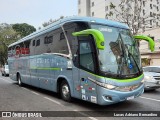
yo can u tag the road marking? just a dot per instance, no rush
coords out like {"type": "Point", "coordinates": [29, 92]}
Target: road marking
{"type": "Point", "coordinates": [6, 80]}
{"type": "Point", "coordinates": [34, 92]}
{"type": "Point", "coordinates": [30, 91]}
{"type": "Point", "coordinates": [25, 88]}
{"type": "Point", "coordinates": [54, 101]}
{"type": "Point", "coordinates": [150, 99]}
{"type": "Point", "coordinates": [92, 118]}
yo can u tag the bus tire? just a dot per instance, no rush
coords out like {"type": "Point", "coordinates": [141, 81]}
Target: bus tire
{"type": "Point", "coordinates": [65, 91]}
{"type": "Point", "coordinates": [5, 74]}
{"type": "Point", "coordinates": [19, 80]}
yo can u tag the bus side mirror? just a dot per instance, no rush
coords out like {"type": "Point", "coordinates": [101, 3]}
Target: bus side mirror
{"type": "Point", "coordinates": [98, 36]}
{"type": "Point", "coordinates": [148, 39]}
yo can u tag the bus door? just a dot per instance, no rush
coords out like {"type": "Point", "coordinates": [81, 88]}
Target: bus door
{"type": "Point", "coordinates": [87, 68]}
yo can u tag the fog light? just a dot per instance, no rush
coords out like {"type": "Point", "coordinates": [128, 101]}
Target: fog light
{"type": "Point", "coordinates": [108, 97]}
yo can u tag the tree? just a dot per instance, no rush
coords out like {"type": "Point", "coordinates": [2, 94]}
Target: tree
{"type": "Point", "coordinates": [51, 21]}
{"type": "Point", "coordinates": [7, 36]}
{"type": "Point", "coordinates": [131, 13]}
{"type": "Point", "coordinates": [23, 29]}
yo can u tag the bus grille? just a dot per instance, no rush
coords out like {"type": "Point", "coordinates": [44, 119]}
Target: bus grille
{"type": "Point", "coordinates": [156, 77]}
{"type": "Point", "coordinates": [128, 88]}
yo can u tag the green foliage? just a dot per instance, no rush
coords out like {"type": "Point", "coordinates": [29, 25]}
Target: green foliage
{"type": "Point", "coordinates": [130, 12]}
{"type": "Point", "coordinates": [23, 29]}
{"type": "Point", "coordinates": [7, 36]}
{"type": "Point", "coordinates": [112, 6]}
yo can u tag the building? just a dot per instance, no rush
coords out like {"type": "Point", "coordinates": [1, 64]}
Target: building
{"type": "Point", "coordinates": [101, 9]}
{"type": "Point", "coordinates": [151, 58]}
{"type": "Point", "coordinates": [151, 26]}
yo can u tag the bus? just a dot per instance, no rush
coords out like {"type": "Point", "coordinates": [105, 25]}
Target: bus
{"type": "Point", "coordinates": [92, 59]}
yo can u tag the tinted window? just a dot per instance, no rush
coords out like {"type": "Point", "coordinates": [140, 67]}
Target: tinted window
{"type": "Point", "coordinates": [62, 36]}
{"type": "Point", "coordinates": [48, 40]}
{"type": "Point", "coordinates": [33, 44]}
{"type": "Point", "coordinates": [38, 42]}
{"type": "Point", "coordinates": [59, 46]}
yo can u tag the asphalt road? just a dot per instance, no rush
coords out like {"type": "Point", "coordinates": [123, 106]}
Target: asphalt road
{"type": "Point", "coordinates": [28, 98]}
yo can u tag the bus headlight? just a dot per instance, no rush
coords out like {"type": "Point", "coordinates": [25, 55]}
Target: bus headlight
{"type": "Point", "coordinates": [108, 86]}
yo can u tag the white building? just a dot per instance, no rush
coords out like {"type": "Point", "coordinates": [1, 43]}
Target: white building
{"type": "Point", "coordinates": [101, 9]}
{"type": "Point", "coordinates": [150, 10]}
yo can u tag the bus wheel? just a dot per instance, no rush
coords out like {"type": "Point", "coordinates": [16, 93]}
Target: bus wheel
{"type": "Point", "coordinates": [65, 91]}
{"type": "Point", "coordinates": [5, 75]}
{"type": "Point", "coordinates": [19, 80]}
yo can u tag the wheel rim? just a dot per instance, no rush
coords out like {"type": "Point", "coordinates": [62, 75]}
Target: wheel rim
{"type": "Point", "coordinates": [19, 81]}
{"type": "Point", "coordinates": [65, 91]}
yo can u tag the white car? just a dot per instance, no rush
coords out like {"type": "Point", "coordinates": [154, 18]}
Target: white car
{"type": "Point", "coordinates": [151, 77]}
{"type": "Point", "coordinates": [5, 70]}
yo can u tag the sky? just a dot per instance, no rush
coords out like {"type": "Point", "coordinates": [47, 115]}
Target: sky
{"type": "Point", "coordinates": [35, 12]}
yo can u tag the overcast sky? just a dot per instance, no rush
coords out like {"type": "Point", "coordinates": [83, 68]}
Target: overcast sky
{"type": "Point", "coordinates": [35, 12]}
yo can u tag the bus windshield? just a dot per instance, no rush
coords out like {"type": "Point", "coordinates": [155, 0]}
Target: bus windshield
{"type": "Point", "coordinates": [121, 54]}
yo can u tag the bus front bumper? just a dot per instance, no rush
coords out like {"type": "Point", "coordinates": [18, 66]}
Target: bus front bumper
{"type": "Point", "coordinates": [107, 97]}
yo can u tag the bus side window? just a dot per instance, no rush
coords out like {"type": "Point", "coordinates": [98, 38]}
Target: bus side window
{"type": "Point", "coordinates": [26, 50]}
{"type": "Point", "coordinates": [33, 43]}
{"type": "Point", "coordinates": [38, 46]}
{"type": "Point", "coordinates": [38, 42]}
{"type": "Point", "coordinates": [59, 42]}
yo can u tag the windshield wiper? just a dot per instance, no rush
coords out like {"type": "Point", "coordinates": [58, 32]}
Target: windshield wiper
{"type": "Point", "coordinates": [124, 48]}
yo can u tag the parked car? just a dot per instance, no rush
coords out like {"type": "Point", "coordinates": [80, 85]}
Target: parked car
{"type": "Point", "coordinates": [151, 77]}
{"type": "Point", "coordinates": [5, 70]}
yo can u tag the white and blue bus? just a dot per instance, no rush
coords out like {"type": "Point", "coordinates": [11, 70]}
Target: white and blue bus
{"type": "Point", "coordinates": [92, 59]}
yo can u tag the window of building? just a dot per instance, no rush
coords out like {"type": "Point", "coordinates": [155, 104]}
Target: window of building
{"type": "Point", "coordinates": [92, 4]}
{"type": "Point", "coordinates": [157, 24]}
{"type": "Point", "coordinates": [79, 11]}
{"type": "Point", "coordinates": [143, 12]}
{"type": "Point", "coordinates": [157, 8]}
{"type": "Point", "coordinates": [92, 13]}
{"type": "Point", "coordinates": [143, 21]}
{"type": "Point", "coordinates": [150, 6]}
{"type": "Point", "coordinates": [150, 14]}
{"type": "Point", "coordinates": [150, 22]}
{"type": "Point", "coordinates": [106, 8]}
{"type": "Point", "coordinates": [38, 42]}
{"type": "Point", "coordinates": [144, 3]}
{"type": "Point", "coordinates": [79, 2]}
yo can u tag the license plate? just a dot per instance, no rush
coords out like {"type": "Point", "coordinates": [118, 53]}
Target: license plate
{"type": "Point", "coordinates": [131, 97]}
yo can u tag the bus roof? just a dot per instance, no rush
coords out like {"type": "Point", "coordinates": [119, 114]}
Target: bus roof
{"type": "Point", "coordinates": [71, 19]}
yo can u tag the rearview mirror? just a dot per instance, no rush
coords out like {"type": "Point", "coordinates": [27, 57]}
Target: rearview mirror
{"type": "Point", "coordinates": [98, 36]}
{"type": "Point", "coordinates": [148, 39]}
